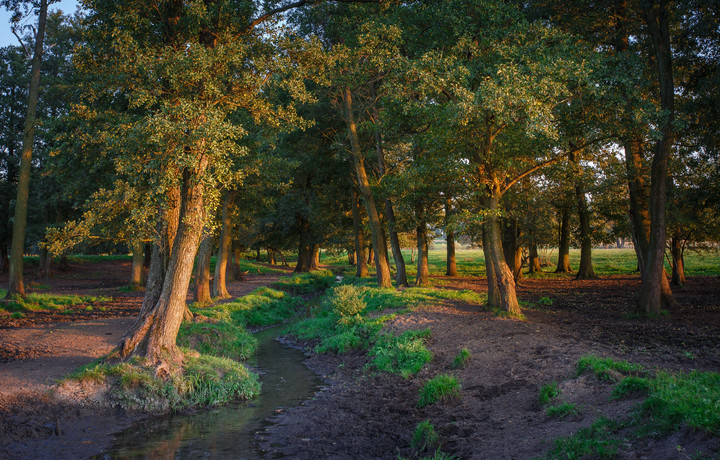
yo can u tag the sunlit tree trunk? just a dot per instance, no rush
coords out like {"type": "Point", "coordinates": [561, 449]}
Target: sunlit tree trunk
{"type": "Point", "coordinates": [154, 334]}
{"type": "Point", "coordinates": [379, 245]}
{"type": "Point", "coordinates": [450, 263]}
{"type": "Point", "coordinates": [563, 265]}
{"type": "Point", "coordinates": [15, 279]}
{"type": "Point", "coordinates": [219, 288]}
{"type": "Point", "coordinates": [136, 272]}
{"type": "Point", "coordinates": [512, 249]}
{"type": "Point", "coordinates": [678, 266]}
{"type": "Point", "coordinates": [423, 268]}
{"type": "Point", "coordinates": [314, 257]}
{"type": "Point", "coordinates": [585, 270]}
{"type": "Point", "coordinates": [534, 265]}
{"type": "Point", "coordinates": [504, 296]}
{"type": "Point", "coordinates": [361, 270]}
{"type": "Point", "coordinates": [657, 19]}
{"type": "Point", "coordinates": [202, 271]}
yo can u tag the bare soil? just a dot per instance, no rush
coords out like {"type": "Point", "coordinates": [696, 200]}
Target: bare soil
{"type": "Point", "coordinates": [363, 414]}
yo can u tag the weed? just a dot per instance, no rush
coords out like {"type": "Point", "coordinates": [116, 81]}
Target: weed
{"type": "Point", "coordinates": [425, 437]}
{"type": "Point", "coordinates": [17, 315]}
{"type": "Point", "coordinates": [307, 283]}
{"type": "Point", "coordinates": [404, 354]}
{"type": "Point", "coordinates": [439, 455]}
{"type": "Point", "coordinates": [546, 301]}
{"type": "Point", "coordinates": [440, 388]}
{"type": "Point", "coordinates": [606, 368]}
{"type": "Point", "coordinates": [88, 308]}
{"type": "Point", "coordinates": [562, 410]}
{"type": "Point", "coordinates": [548, 392]}
{"type": "Point", "coordinates": [461, 359]}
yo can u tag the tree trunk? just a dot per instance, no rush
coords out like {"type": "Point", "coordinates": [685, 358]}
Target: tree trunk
{"type": "Point", "coordinates": [678, 267]}
{"type": "Point", "coordinates": [147, 254]}
{"type": "Point", "coordinates": [44, 265]}
{"type": "Point", "coordinates": [136, 272]}
{"type": "Point", "coordinates": [651, 290]}
{"type": "Point", "coordinates": [303, 262]}
{"type": "Point", "coordinates": [202, 271]}
{"type": "Point", "coordinates": [219, 288]}
{"type": "Point", "coordinates": [512, 249]}
{"type": "Point", "coordinates": [314, 257]}
{"type": "Point", "coordinates": [423, 268]}
{"type": "Point", "coordinates": [15, 278]}
{"type": "Point", "coordinates": [585, 270]}
{"type": "Point", "coordinates": [534, 265]}
{"type": "Point", "coordinates": [155, 333]}
{"type": "Point", "coordinates": [271, 256]}
{"type": "Point", "coordinates": [371, 255]}
{"type": "Point", "coordinates": [450, 263]}
{"type": "Point", "coordinates": [361, 270]}
{"type": "Point", "coordinates": [504, 297]}
{"type": "Point", "coordinates": [4, 261]}
{"type": "Point", "coordinates": [236, 253]}
{"type": "Point", "coordinates": [381, 262]}
{"type": "Point", "coordinates": [351, 256]}
{"type": "Point", "coordinates": [563, 265]}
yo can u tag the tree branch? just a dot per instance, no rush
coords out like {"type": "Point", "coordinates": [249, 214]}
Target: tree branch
{"type": "Point", "coordinates": [264, 17]}
{"type": "Point", "coordinates": [547, 162]}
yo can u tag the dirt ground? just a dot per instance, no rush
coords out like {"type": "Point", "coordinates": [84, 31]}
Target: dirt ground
{"type": "Point", "coordinates": [361, 414]}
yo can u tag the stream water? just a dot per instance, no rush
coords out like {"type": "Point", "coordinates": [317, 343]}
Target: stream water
{"type": "Point", "coordinates": [228, 431]}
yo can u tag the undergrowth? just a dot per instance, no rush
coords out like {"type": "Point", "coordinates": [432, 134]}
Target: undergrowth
{"type": "Point", "coordinates": [43, 302]}
{"type": "Point", "coordinates": [306, 283]}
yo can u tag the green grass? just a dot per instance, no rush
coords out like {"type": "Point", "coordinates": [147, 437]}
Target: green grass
{"type": "Point", "coordinates": [224, 339]}
{"type": "Point", "coordinates": [596, 441]}
{"type": "Point", "coordinates": [562, 410]}
{"type": "Point", "coordinates": [461, 359]}
{"type": "Point", "coordinates": [440, 388]}
{"type": "Point", "coordinates": [43, 302]}
{"type": "Point", "coordinates": [306, 283]}
{"type": "Point", "coordinates": [424, 437]}
{"type": "Point", "coordinates": [404, 354]}
{"type": "Point", "coordinates": [606, 368]}
{"type": "Point", "coordinates": [629, 386]}
{"type": "Point", "coordinates": [203, 381]}
{"type": "Point", "coordinates": [471, 262]}
{"type": "Point", "coordinates": [548, 392]}
{"type": "Point", "coordinates": [262, 307]}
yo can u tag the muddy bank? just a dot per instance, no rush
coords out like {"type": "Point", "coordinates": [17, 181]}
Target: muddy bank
{"type": "Point", "coordinates": [368, 415]}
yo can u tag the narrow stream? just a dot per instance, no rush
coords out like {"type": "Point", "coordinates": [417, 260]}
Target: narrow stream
{"type": "Point", "coordinates": [228, 431]}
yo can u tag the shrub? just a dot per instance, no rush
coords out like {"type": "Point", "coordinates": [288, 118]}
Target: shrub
{"type": "Point", "coordinates": [345, 300]}
{"type": "Point", "coordinates": [440, 388]}
{"type": "Point", "coordinates": [217, 339]}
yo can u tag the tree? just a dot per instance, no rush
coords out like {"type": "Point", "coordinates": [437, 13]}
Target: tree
{"type": "Point", "coordinates": [15, 282]}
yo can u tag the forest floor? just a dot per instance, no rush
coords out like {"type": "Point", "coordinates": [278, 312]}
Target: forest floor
{"type": "Point", "coordinates": [365, 414]}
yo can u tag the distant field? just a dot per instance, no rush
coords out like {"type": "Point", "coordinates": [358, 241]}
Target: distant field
{"type": "Point", "coordinates": [605, 261]}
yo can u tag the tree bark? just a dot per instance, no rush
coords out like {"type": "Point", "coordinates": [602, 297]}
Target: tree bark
{"type": "Point", "coordinates": [450, 263]}
{"type": "Point", "coordinates": [504, 296]}
{"type": "Point", "coordinates": [236, 253]}
{"type": "Point", "coordinates": [379, 245]}
{"type": "Point", "coordinates": [202, 271]}
{"type": "Point", "coordinates": [303, 262]}
{"type": "Point", "coordinates": [657, 19]}
{"type": "Point", "coordinates": [585, 270]}
{"type": "Point", "coordinates": [361, 270]}
{"type": "Point", "coordinates": [136, 272]}
{"type": "Point", "coordinates": [271, 256]}
{"type": "Point", "coordinates": [147, 250]}
{"type": "Point", "coordinates": [512, 249]}
{"type": "Point", "coordinates": [15, 278]}
{"type": "Point", "coordinates": [678, 268]}
{"type": "Point", "coordinates": [314, 257]}
{"type": "Point", "coordinates": [423, 268]}
{"type": "Point", "coordinates": [534, 265]}
{"type": "Point", "coordinates": [563, 265]}
{"type": "Point", "coordinates": [219, 288]}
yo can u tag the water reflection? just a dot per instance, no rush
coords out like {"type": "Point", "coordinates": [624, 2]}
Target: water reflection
{"type": "Point", "coordinates": [228, 431]}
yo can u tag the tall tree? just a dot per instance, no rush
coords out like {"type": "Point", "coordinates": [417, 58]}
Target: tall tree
{"type": "Point", "coordinates": [15, 281]}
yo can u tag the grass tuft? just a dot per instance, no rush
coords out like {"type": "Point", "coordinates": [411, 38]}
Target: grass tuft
{"type": "Point", "coordinates": [562, 410]}
{"type": "Point", "coordinates": [461, 359]}
{"type": "Point", "coordinates": [606, 368]}
{"type": "Point", "coordinates": [596, 441]}
{"type": "Point", "coordinates": [405, 354]}
{"type": "Point", "coordinates": [440, 388]}
{"type": "Point", "coordinates": [548, 392]}
{"type": "Point", "coordinates": [425, 437]}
